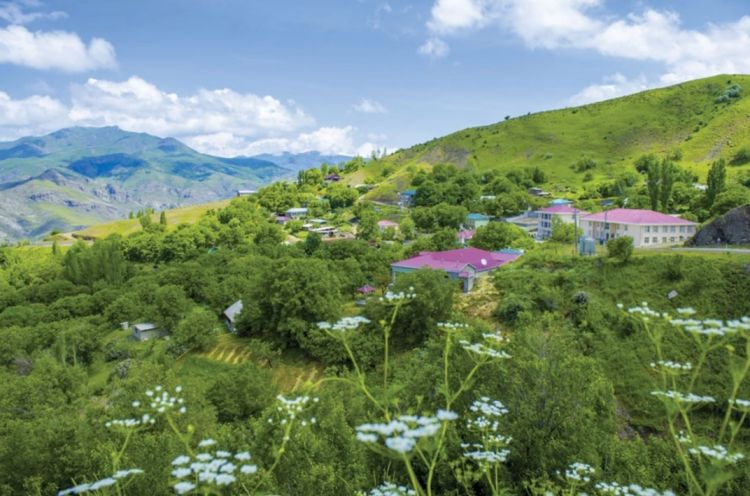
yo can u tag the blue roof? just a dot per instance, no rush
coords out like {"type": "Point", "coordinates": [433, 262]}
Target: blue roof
{"type": "Point", "coordinates": [478, 217]}
{"type": "Point", "coordinates": [409, 192]}
{"type": "Point", "coordinates": [560, 201]}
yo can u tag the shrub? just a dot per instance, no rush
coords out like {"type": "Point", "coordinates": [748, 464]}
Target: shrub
{"type": "Point", "coordinates": [620, 248]}
{"type": "Point", "coordinates": [742, 156]}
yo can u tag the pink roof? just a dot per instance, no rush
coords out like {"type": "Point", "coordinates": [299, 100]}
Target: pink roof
{"type": "Point", "coordinates": [561, 209]}
{"type": "Point", "coordinates": [635, 216]}
{"type": "Point", "coordinates": [466, 234]}
{"type": "Point", "coordinates": [387, 223]}
{"type": "Point", "coordinates": [456, 260]}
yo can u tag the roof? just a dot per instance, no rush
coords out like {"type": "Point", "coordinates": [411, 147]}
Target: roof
{"type": "Point", "coordinates": [299, 210]}
{"type": "Point", "coordinates": [455, 261]}
{"type": "Point", "coordinates": [233, 311]}
{"type": "Point", "coordinates": [465, 234]}
{"type": "Point", "coordinates": [561, 209]}
{"type": "Point", "coordinates": [635, 216]}
{"type": "Point", "coordinates": [560, 201]}
{"type": "Point", "coordinates": [387, 223]}
{"type": "Point", "coordinates": [366, 289]}
{"type": "Point", "coordinates": [408, 192]}
{"type": "Point", "coordinates": [146, 326]}
{"type": "Point", "coordinates": [474, 216]}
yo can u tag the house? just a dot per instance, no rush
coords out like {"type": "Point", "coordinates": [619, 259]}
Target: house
{"type": "Point", "coordinates": [282, 219]}
{"type": "Point", "coordinates": [246, 192]}
{"type": "Point", "coordinates": [646, 227]}
{"type": "Point", "coordinates": [563, 212]}
{"type": "Point", "coordinates": [474, 221]}
{"type": "Point", "coordinates": [463, 264]}
{"type": "Point", "coordinates": [528, 221]}
{"type": "Point", "coordinates": [366, 289]}
{"type": "Point", "coordinates": [464, 236]}
{"type": "Point", "coordinates": [385, 224]}
{"type": "Point", "coordinates": [560, 201]}
{"type": "Point", "coordinates": [231, 314]}
{"type": "Point", "coordinates": [332, 178]}
{"type": "Point", "coordinates": [538, 192]}
{"type": "Point", "coordinates": [296, 213]}
{"type": "Point", "coordinates": [146, 331]}
{"type": "Point", "coordinates": [406, 197]}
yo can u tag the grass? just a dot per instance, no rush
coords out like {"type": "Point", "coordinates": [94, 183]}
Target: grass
{"type": "Point", "coordinates": [614, 133]}
{"type": "Point", "coordinates": [175, 217]}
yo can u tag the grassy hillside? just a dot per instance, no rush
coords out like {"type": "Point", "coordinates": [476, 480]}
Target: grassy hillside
{"type": "Point", "coordinates": [686, 119]}
{"type": "Point", "coordinates": [175, 217]}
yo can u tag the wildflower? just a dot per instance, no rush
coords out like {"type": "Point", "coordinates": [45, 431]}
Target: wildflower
{"type": "Point", "coordinates": [686, 311]}
{"type": "Point", "coordinates": [579, 472]}
{"type": "Point", "coordinates": [672, 366]}
{"type": "Point", "coordinates": [483, 350]}
{"type": "Point", "coordinates": [717, 452]}
{"type": "Point", "coordinates": [248, 469]}
{"type": "Point", "coordinates": [740, 404]}
{"type": "Point", "coordinates": [100, 484]}
{"type": "Point", "coordinates": [630, 490]}
{"type": "Point", "coordinates": [181, 460]}
{"type": "Point", "coordinates": [391, 489]}
{"type": "Point", "coordinates": [403, 433]}
{"type": "Point", "coordinates": [179, 473]}
{"type": "Point", "coordinates": [242, 456]}
{"type": "Point", "coordinates": [345, 324]}
{"type": "Point", "coordinates": [684, 398]}
{"type": "Point", "coordinates": [184, 487]}
{"type": "Point", "coordinates": [493, 446]}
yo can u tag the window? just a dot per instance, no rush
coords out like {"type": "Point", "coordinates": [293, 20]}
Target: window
{"type": "Point", "coordinates": [663, 239]}
{"type": "Point", "coordinates": [673, 229]}
{"type": "Point", "coordinates": [682, 238]}
{"type": "Point", "coordinates": [647, 229]}
{"type": "Point", "coordinates": [689, 229]}
{"type": "Point", "coordinates": [625, 227]}
{"type": "Point", "coordinates": [682, 229]}
{"type": "Point", "coordinates": [645, 240]}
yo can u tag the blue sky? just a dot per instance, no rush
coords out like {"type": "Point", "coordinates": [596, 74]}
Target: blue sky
{"type": "Point", "coordinates": [235, 77]}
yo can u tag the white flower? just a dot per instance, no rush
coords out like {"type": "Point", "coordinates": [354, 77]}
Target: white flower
{"type": "Point", "coordinates": [179, 473]}
{"type": "Point", "coordinates": [684, 398]}
{"type": "Point", "coordinates": [242, 456]}
{"type": "Point", "coordinates": [249, 469]}
{"type": "Point", "coordinates": [400, 444]}
{"type": "Point", "coordinates": [206, 443]}
{"type": "Point", "coordinates": [445, 415]}
{"type": "Point", "coordinates": [184, 487]}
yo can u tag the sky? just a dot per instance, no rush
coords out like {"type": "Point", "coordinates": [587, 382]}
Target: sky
{"type": "Point", "coordinates": [243, 77]}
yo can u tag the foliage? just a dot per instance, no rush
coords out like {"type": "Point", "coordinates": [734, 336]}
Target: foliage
{"type": "Point", "coordinates": [620, 248]}
{"type": "Point", "coordinates": [498, 235]}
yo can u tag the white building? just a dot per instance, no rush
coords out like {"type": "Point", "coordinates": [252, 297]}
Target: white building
{"type": "Point", "coordinates": [564, 212]}
{"type": "Point", "coordinates": [646, 227]}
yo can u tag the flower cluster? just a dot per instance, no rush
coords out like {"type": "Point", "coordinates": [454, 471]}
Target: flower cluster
{"type": "Point", "coordinates": [483, 350]}
{"type": "Point", "coordinates": [452, 326]}
{"type": "Point", "coordinates": [492, 447]}
{"type": "Point", "coordinates": [740, 404]}
{"type": "Point", "coordinates": [713, 327]}
{"type": "Point", "coordinates": [402, 434]}
{"type": "Point", "coordinates": [672, 366]}
{"type": "Point", "coordinates": [683, 398]}
{"type": "Point", "coordinates": [391, 489]}
{"type": "Point", "coordinates": [645, 311]}
{"type": "Point", "coordinates": [345, 324]}
{"type": "Point", "coordinates": [100, 484]}
{"type": "Point", "coordinates": [717, 452]}
{"type": "Point", "coordinates": [629, 490]}
{"type": "Point", "coordinates": [579, 472]}
{"type": "Point", "coordinates": [291, 409]}
{"type": "Point", "coordinates": [391, 297]}
{"type": "Point", "coordinates": [209, 470]}
{"type": "Point", "coordinates": [158, 402]}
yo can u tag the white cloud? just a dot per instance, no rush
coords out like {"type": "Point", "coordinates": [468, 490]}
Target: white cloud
{"type": "Point", "coordinates": [220, 122]}
{"type": "Point", "coordinates": [367, 106]}
{"type": "Point", "coordinates": [58, 50]}
{"type": "Point", "coordinates": [13, 13]}
{"type": "Point", "coordinates": [434, 48]}
{"type": "Point", "coordinates": [612, 87]}
{"type": "Point", "coordinates": [653, 36]}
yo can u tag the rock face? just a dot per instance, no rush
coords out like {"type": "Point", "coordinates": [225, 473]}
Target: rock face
{"type": "Point", "coordinates": [731, 228]}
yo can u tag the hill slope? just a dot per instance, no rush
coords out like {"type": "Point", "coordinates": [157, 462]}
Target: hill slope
{"type": "Point", "coordinates": [80, 176]}
{"type": "Point", "coordinates": [689, 118]}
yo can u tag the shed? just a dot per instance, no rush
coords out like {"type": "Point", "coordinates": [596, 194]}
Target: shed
{"type": "Point", "coordinates": [231, 314]}
{"type": "Point", "coordinates": [146, 331]}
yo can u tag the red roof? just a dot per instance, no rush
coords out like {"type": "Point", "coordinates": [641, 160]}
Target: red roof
{"type": "Point", "coordinates": [635, 216]}
{"type": "Point", "coordinates": [455, 261]}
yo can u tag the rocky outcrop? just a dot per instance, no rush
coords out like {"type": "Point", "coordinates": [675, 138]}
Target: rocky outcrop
{"type": "Point", "coordinates": [732, 228]}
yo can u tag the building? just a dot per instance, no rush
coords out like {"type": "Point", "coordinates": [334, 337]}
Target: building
{"type": "Point", "coordinates": [332, 178]}
{"type": "Point", "coordinates": [474, 221]}
{"type": "Point", "coordinates": [296, 213]}
{"type": "Point", "coordinates": [231, 314]}
{"type": "Point", "coordinates": [146, 331]}
{"type": "Point", "coordinates": [528, 221]}
{"type": "Point", "coordinates": [463, 264]}
{"type": "Point", "coordinates": [246, 192]}
{"type": "Point", "coordinates": [406, 197]}
{"type": "Point", "coordinates": [386, 224]}
{"type": "Point", "coordinates": [545, 217]}
{"type": "Point", "coordinates": [538, 192]}
{"type": "Point", "coordinates": [646, 227]}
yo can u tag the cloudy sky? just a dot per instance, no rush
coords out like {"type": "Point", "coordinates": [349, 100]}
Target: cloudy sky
{"type": "Point", "coordinates": [239, 77]}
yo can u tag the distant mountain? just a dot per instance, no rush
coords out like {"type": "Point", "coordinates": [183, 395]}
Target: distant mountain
{"type": "Point", "coordinates": [79, 176]}
{"type": "Point", "coordinates": [301, 161]}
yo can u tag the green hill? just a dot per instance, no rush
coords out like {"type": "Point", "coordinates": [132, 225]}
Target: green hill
{"type": "Point", "coordinates": [697, 121]}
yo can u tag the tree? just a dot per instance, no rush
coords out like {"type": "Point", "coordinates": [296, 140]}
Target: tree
{"type": "Point", "coordinates": [407, 227]}
{"type": "Point", "coordinates": [563, 232]}
{"type": "Point", "coordinates": [367, 228]}
{"type": "Point", "coordinates": [341, 196]}
{"type": "Point", "coordinates": [620, 248]}
{"type": "Point", "coordinates": [731, 198]}
{"type": "Point", "coordinates": [668, 176]}
{"type": "Point", "coordinates": [716, 181]}
{"type": "Point", "coordinates": [163, 219]}
{"type": "Point", "coordinates": [197, 331]}
{"type": "Point", "coordinates": [499, 235]}
{"type": "Point", "coordinates": [242, 392]}
{"type": "Point", "coordinates": [312, 243]}
{"type": "Point", "coordinates": [171, 305]}
{"type": "Point", "coordinates": [292, 296]}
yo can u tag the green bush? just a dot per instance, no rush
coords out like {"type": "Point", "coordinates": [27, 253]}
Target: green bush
{"type": "Point", "coordinates": [620, 248]}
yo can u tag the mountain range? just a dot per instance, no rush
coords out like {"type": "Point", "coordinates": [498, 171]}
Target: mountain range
{"type": "Point", "coordinates": [79, 176]}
